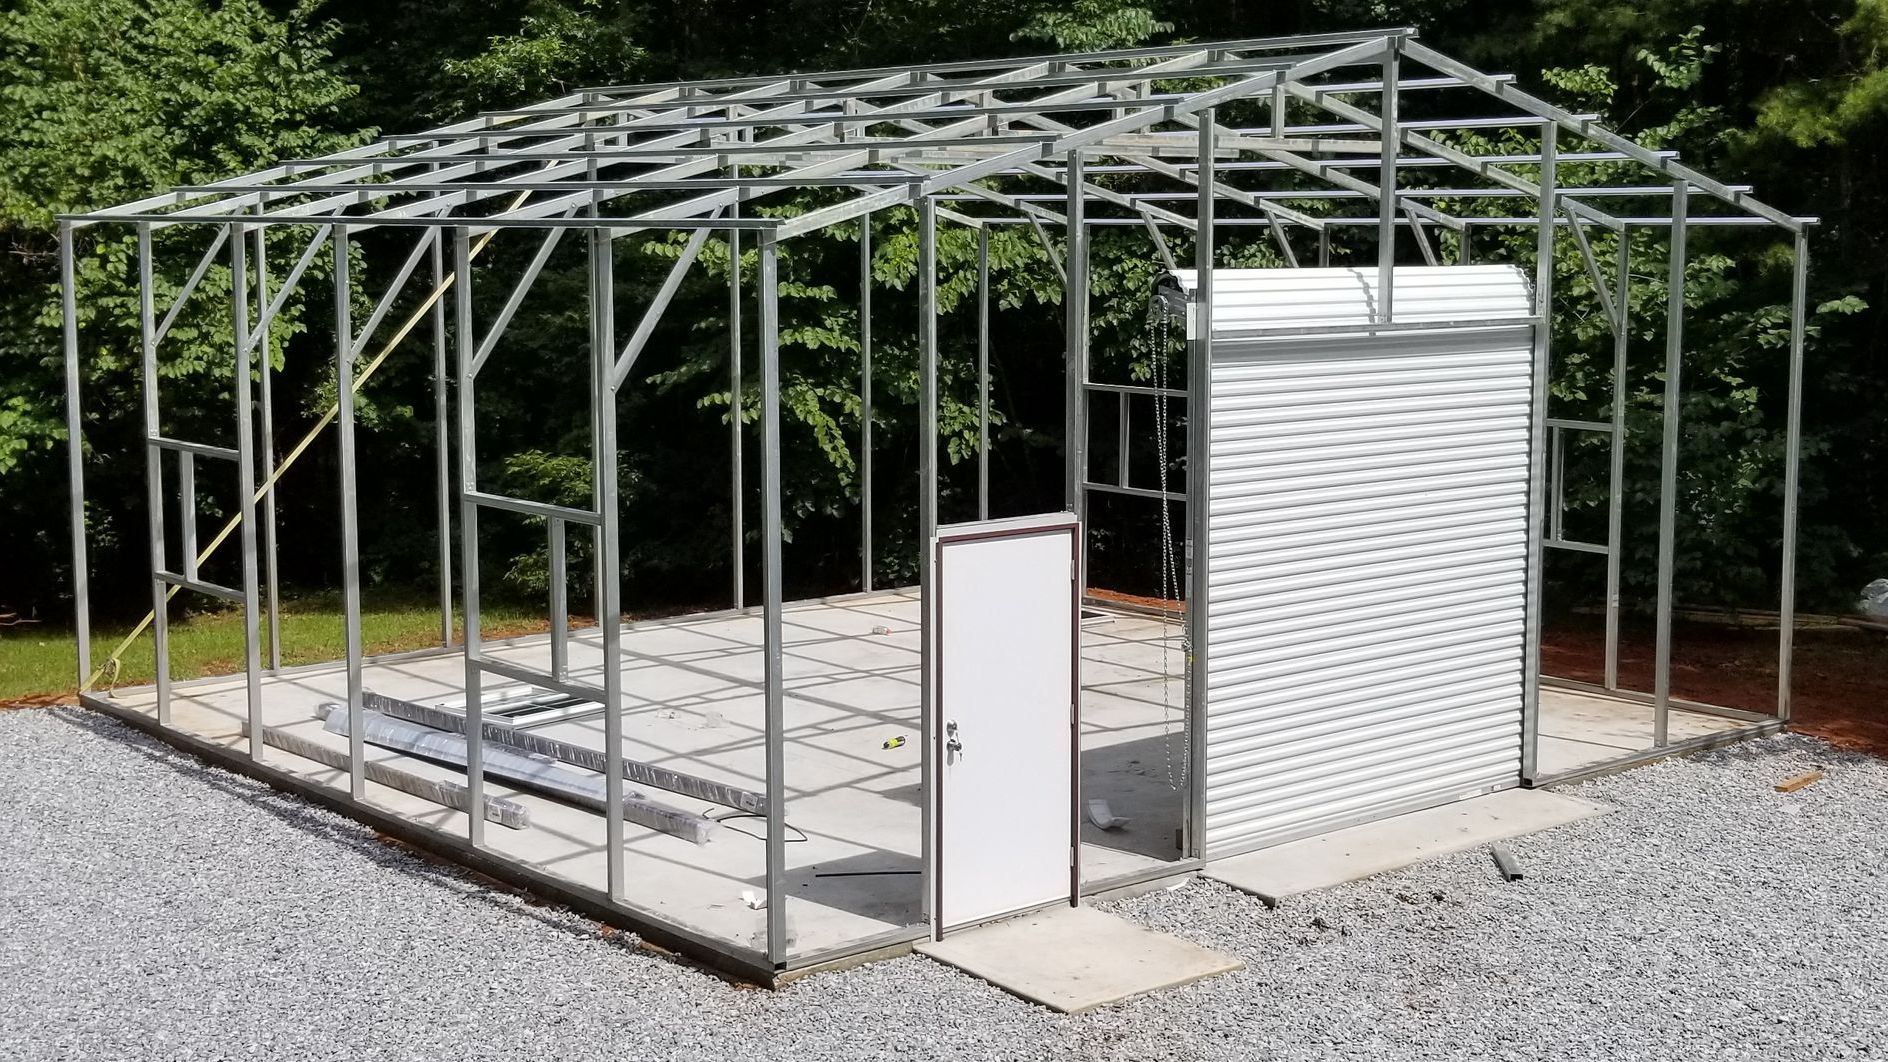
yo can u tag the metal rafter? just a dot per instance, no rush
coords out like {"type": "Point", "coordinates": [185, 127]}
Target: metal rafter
{"type": "Point", "coordinates": [898, 134]}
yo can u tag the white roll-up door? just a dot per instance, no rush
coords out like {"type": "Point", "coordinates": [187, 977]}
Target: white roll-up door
{"type": "Point", "coordinates": [1367, 549]}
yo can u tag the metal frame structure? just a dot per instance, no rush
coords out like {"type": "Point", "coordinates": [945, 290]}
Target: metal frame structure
{"type": "Point", "coordinates": [1286, 137]}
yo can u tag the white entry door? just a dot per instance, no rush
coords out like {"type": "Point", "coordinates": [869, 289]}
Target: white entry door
{"type": "Point", "coordinates": [1006, 678]}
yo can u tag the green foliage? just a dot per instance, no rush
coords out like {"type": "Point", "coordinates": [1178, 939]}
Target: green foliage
{"type": "Point", "coordinates": [556, 48]}
{"type": "Point", "coordinates": [1817, 112]}
{"type": "Point", "coordinates": [1736, 335]}
{"type": "Point", "coordinates": [104, 101]}
{"type": "Point", "coordinates": [1093, 25]}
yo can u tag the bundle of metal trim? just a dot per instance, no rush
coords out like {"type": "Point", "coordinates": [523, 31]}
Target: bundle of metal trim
{"type": "Point", "coordinates": [520, 768]}
{"type": "Point", "coordinates": [507, 813]}
{"type": "Point", "coordinates": [589, 759]}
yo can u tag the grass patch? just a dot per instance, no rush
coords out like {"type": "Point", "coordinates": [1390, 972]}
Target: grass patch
{"type": "Point", "coordinates": [38, 664]}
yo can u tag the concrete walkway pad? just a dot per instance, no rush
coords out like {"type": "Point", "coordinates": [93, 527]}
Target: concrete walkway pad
{"type": "Point", "coordinates": [1329, 859]}
{"type": "Point", "coordinates": [1074, 959]}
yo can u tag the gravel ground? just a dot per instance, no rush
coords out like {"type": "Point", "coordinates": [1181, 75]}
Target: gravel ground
{"type": "Point", "coordinates": [159, 909]}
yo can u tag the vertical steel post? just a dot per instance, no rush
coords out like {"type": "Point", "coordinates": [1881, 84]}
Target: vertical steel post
{"type": "Point", "coordinates": [865, 403]}
{"type": "Point", "coordinates": [560, 598]}
{"type": "Point", "coordinates": [153, 469]}
{"type": "Point", "coordinates": [1537, 425]}
{"type": "Point", "coordinates": [271, 572]}
{"type": "Point", "coordinates": [1464, 251]}
{"type": "Point", "coordinates": [1616, 468]}
{"type": "Point", "coordinates": [1075, 316]}
{"type": "Point", "coordinates": [442, 435]}
{"type": "Point", "coordinates": [774, 654]}
{"type": "Point", "coordinates": [1557, 477]}
{"type": "Point", "coordinates": [927, 539]}
{"type": "Point", "coordinates": [471, 644]}
{"type": "Point", "coordinates": [75, 449]}
{"type": "Point", "coordinates": [983, 372]}
{"type": "Point", "coordinates": [609, 554]}
{"type": "Point", "coordinates": [187, 510]}
{"type": "Point", "coordinates": [1668, 466]}
{"type": "Point", "coordinates": [1386, 184]}
{"type": "Point", "coordinates": [1324, 248]}
{"type": "Point", "coordinates": [1792, 458]}
{"type": "Point", "coordinates": [1199, 461]}
{"type": "Point", "coordinates": [737, 517]}
{"type": "Point", "coordinates": [1121, 437]}
{"type": "Point", "coordinates": [350, 518]}
{"type": "Point", "coordinates": [593, 388]}
{"type": "Point", "coordinates": [246, 486]}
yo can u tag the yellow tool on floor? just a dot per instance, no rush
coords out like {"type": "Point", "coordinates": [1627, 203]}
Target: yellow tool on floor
{"type": "Point", "coordinates": [894, 743]}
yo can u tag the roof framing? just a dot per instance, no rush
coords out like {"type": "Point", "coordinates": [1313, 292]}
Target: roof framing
{"type": "Point", "coordinates": [989, 134]}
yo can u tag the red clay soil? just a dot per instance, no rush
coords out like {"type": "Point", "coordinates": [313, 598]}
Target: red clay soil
{"type": "Point", "coordinates": [1838, 674]}
{"type": "Point", "coordinates": [1136, 600]}
{"type": "Point", "coordinates": [1838, 680]}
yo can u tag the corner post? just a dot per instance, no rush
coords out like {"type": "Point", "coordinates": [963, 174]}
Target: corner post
{"type": "Point", "coordinates": [350, 520]}
{"type": "Point", "coordinates": [271, 575]}
{"type": "Point", "coordinates": [1542, 359]}
{"type": "Point", "coordinates": [1389, 139]}
{"type": "Point", "coordinates": [983, 372]}
{"type": "Point", "coordinates": [246, 486]}
{"type": "Point", "coordinates": [604, 489]}
{"type": "Point", "coordinates": [1199, 461]}
{"type": "Point", "coordinates": [927, 534]}
{"type": "Point", "coordinates": [75, 449]}
{"type": "Point", "coordinates": [737, 518]}
{"type": "Point", "coordinates": [153, 468]}
{"type": "Point", "coordinates": [472, 643]}
{"type": "Point", "coordinates": [1616, 470]}
{"type": "Point", "coordinates": [1792, 460]}
{"type": "Point", "coordinates": [865, 403]}
{"type": "Point", "coordinates": [1075, 317]}
{"type": "Point", "coordinates": [771, 638]}
{"type": "Point", "coordinates": [442, 442]}
{"type": "Point", "coordinates": [1668, 466]}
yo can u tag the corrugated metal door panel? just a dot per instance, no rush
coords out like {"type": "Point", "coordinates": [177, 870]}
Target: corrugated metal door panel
{"type": "Point", "coordinates": [1367, 551]}
{"type": "Point", "coordinates": [1273, 298]}
{"type": "Point", "coordinates": [1332, 806]}
{"type": "Point", "coordinates": [1485, 586]}
{"type": "Point", "coordinates": [1262, 471]}
{"type": "Point", "coordinates": [1348, 776]}
{"type": "Point", "coordinates": [1383, 745]}
{"type": "Point", "coordinates": [1315, 560]}
{"type": "Point", "coordinates": [1289, 449]}
{"type": "Point", "coordinates": [1336, 709]}
{"type": "Point", "coordinates": [1339, 519]}
{"type": "Point", "coordinates": [1345, 658]}
{"type": "Point", "coordinates": [1354, 573]}
{"type": "Point", "coordinates": [1431, 486]}
{"type": "Point", "coordinates": [1257, 708]}
{"type": "Point", "coordinates": [1410, 424]}
{"type": "Point", "coordinates": [1342, 628]}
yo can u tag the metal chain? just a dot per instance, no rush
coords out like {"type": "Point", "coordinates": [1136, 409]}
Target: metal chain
{"type": "Point", "coordinates": [1169, 574]}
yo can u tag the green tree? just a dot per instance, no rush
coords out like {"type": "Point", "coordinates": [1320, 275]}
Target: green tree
{"type": "Point", "coordinates": [102, 102]}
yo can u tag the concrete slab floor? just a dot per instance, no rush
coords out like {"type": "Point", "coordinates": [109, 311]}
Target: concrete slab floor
{"type": "Point", "coordinates": [1275, 873]}
{"type": "Point", "coordinates": [1073, 959]}
{"type": "Point", "coordinates": [1580, 730]}
{"type": "Point", "coordinates": [694, 703]}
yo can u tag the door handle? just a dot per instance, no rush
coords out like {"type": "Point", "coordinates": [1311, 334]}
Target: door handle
{"type": "Point", "coordinates": [953, 745]}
